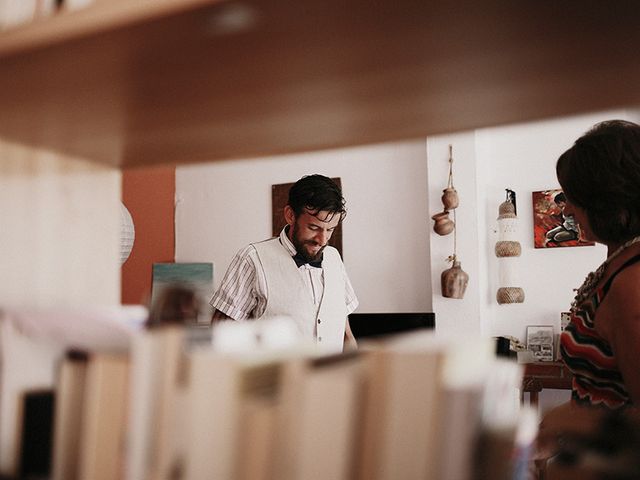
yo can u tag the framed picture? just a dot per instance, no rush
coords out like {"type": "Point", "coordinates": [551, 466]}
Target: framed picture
{"type": "Point", "coordinates": [540, 342]}
{"type": "Point", "coordinates": [551, 228]}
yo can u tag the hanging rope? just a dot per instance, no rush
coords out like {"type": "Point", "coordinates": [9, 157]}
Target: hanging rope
{"type": "Point", "coordinates": [455, 228]}
{"type": "Point", "coordinates": [450, 182]}
{"type": "Point", "coordinates": [453, 257]}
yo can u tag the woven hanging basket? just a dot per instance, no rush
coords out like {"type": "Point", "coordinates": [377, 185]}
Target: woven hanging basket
{"type": "Point", "coordinates": [508, 249]}
{"type": "Point", "coordinates": [510, 295]}
{"type": "Point", "coordinates": [506, 210]}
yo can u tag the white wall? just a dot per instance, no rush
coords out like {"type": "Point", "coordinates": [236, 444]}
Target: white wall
{"type": "Point", "coordinates": [523, 157]}
{"type": "Point", "coordinates": [455, 316]}
{"type": "Point", "coordinates": [520, 157]}
{"type": "Point", "coordinates": [59, 230]}
{"type": "Point", "coordinates": [391, 252]}
{"type": "Point", "coordinates": [223, 206]}
{"type": "Point", "coordinates": [59, 247]}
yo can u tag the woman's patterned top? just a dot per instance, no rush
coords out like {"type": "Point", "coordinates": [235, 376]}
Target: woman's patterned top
{"type": "Point", "coordinates": [596, 377]}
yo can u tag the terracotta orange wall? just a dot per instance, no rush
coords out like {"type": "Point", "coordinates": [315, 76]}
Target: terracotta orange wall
{"type": "Point", "coordinates": [149, 195]}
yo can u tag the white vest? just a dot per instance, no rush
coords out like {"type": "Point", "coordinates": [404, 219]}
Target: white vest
{"type": "Point", "coordinates": [287, 295]}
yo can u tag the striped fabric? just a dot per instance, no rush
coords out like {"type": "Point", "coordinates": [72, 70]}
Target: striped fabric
{"type": "Point", "coordinates": [596, 377]}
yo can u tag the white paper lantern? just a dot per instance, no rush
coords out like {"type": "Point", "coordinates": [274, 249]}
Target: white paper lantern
{"type": "Point", "coordinates": [127, 233]}
{"type": "Point", "coordinates": [507, 250]}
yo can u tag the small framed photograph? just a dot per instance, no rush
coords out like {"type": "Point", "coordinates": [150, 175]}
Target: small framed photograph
{"type": "Point", "coordinates": [540, 342]}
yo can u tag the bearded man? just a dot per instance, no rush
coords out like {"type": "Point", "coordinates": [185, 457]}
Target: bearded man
{"type": "Point", "coordinates": [297, 274]}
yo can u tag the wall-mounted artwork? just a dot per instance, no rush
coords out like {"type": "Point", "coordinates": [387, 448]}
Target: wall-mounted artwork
{"type": "Point", "coordinates": [279, 199]}
{"type": "Point", "coordinates": [551, 228]}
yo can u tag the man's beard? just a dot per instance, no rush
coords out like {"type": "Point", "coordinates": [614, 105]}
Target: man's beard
{"type": "Point", "coordinates": [300, 246]}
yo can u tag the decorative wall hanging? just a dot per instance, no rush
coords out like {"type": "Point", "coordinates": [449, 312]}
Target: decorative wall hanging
{"type": "Point", "coordinates": [453, 280]}
{"type": "Point", "coordinates": [507, 248]}
{"type": "Point", "coordinates": [443, 225]}
{"type": "Point", "coordinates": [551, 228]}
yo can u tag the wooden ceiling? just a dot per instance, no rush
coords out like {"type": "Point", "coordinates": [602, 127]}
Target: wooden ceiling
{"type": "Point", "coordinates": [182, 81]}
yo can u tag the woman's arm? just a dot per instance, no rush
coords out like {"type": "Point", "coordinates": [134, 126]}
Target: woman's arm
{"type": "Point", "coordinates": [623, 318]}
{"type": "Point", "coordinates": [563, 421]}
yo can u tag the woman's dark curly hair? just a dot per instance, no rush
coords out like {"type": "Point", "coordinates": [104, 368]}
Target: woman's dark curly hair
{"type": "Point", "coordinates": [317, 193]}
{"type": "Point", "coordinates": [601, 174]}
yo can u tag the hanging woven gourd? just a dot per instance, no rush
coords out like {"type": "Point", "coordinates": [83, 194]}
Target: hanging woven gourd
{"type": "Point", "coordinates": [507, 249]}
{"type": "Point", "coordinates": [453, 280]}
{"type": "Point", "coordinates": [443, 225]}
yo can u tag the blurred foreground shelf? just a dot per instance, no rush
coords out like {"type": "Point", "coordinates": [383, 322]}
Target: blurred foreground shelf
{"type": "Point", "coordinates": [181, 81]}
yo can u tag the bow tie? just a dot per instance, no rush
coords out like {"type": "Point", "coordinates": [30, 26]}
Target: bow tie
{"type": "Point", "coordinates": [300, 260]}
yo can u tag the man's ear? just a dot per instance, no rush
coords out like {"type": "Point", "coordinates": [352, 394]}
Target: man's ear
{"type": "Point", "coordinates": [289, 215]}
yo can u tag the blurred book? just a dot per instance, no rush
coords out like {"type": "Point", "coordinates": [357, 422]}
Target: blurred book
{"type": "Point", "coordinates": [466, 365]}
{"type": "Point", "coordinates": [401, 405]}
{"type": "Point", "coordinates": [70, 391]}
{"type": "Point", "coordinates": [258, 414]}
{"type": "Point", "coordinates": [320, 413]}
{"type": "Point", "coordinates": [36, 434]}
{"type": "Point", "coordinates": [222, 388]}
{"type": "Point", "coordinates": [155, 436]}
{"type": "Point", "coordinates": [39, 338]}
{"type": "Point", "coordinates": [104, 409]}
{"type": "Point", "coordinates": [410, 405]}
{"type": "Point", "coordinates": [90, 328]}
{"type": "Point", "coordinates": [17, 351]}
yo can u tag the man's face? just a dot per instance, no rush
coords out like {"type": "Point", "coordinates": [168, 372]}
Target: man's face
{"type": "Point", "coordinates": [311, 233]}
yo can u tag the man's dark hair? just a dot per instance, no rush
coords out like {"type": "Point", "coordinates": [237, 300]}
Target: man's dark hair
{"type": "Point", "coordinates": [600, 173]}
{"type": "Point", "coordinates": [317, 193]}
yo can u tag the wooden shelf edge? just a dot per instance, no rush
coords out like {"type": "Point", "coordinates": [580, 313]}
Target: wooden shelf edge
{"type": "Point", "coordinates": [158, 82]}
{"type": "Point", "coordinates": [96, 18]}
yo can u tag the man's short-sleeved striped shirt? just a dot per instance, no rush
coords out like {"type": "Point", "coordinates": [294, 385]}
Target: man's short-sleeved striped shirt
{"type": "Point", "coordinates": [242, 294]}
